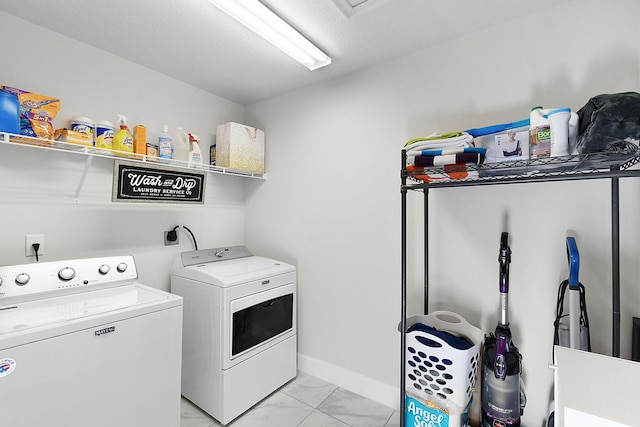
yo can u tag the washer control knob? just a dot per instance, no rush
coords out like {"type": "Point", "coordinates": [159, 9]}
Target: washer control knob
{"type": "Point", "coordinates": [220, 253]}
{"type": "Point", "coordinates": [66, 274]}
{"type": "Point", "coordinates": [0, 281]}
{"type": "Point", "coordinates": [104, 269]}
{"type": "Point", "coordinates": [122, 267]}
{"type": "Point", "coordinates": [22, 279]}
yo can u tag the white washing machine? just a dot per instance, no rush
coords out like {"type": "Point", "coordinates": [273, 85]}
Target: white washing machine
{"type": "Point", "coordinates": [83, 344]}
{"type": "Point", "coordinates": [239, 337]}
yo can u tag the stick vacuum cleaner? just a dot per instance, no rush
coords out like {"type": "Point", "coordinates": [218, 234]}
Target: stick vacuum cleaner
{"type": "Point", "coordinates": [572, 333]}
{"type": "Point", "coordinates": [502, 362]}
{"type": "Point", "coordinates": [575, 333]}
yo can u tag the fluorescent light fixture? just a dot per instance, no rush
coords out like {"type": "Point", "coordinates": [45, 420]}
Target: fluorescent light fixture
{"type": "Point", "coordinates": [258, 18]}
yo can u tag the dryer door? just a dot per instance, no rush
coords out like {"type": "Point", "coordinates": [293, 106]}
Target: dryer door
{"type": "Point", "coordinates": [261, 318]}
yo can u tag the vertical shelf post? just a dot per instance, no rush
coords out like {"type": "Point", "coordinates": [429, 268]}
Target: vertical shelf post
{"type": "Point", "coordinates": [426, 252]}
{"type": "Point", "coordinates": [403, 308]}
{"type": "Point", "coordinates": [615, 265]}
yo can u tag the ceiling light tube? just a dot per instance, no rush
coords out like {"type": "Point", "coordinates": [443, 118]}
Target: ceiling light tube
{"type": "Point", "coordinates": [258, 18]}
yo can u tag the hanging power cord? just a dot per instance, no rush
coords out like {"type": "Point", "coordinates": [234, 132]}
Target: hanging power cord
{"type": "Point", "coordinates": [36, 247]}
{"type": "Point", "coordinates": [173, 235]}
{"type": "Point", "coordinates": [195, 244]}
{"type": "Point", "coordinates": [584, 318]}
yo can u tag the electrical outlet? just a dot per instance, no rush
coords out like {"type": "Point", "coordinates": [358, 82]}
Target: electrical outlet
{"type": "Point", "coordinates": [29, 240]}
{"type": "Point", "coordinates": [168, 242]}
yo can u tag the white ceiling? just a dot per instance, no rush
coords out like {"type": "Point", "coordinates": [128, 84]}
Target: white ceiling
{"type": "Point", "coordinates": [193, 41]}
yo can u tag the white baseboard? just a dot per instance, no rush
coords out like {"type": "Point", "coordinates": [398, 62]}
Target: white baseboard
{"type": "Point", "coordinates": [364, 386]}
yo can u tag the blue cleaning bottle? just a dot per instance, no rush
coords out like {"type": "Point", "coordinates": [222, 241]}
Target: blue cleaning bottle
{"type": "Point", "coordinates": [165, 146]}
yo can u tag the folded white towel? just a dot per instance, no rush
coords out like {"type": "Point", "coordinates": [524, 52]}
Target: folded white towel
{"type": "Point", "coordinates": [464, 140]}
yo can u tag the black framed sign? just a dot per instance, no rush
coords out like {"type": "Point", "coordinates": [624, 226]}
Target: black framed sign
{"type": "Point", "coordinates": [133, 182]}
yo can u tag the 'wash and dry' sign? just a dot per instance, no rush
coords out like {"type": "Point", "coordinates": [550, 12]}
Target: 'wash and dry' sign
{"type": "Point", "coordinates": [136, 183]}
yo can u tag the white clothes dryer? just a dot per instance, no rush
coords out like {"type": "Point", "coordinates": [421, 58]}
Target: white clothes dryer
{"type": "Point", "coordinates": [239, 336]}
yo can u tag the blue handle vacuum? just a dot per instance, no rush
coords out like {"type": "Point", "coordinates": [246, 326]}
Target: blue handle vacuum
{"type": "Point", "coordinates": [574, 262]}
{"type": "Point", "coordinates": [574, 293]}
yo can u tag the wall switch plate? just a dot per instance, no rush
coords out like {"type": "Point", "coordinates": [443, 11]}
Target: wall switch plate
{"type": "Point", "coordinates": [29, 240]}
{"type": "Point", "coordinates": [168, 242]}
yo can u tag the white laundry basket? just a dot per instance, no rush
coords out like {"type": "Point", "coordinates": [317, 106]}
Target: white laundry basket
{"type": "Point", "coordinates": [436, 370]}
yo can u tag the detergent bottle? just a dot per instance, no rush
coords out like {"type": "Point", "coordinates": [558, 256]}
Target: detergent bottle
{"type": "Point", "coordinates": [195, 154]}
{"type": "Point", "coordinates": [165, 146]}
{"type": "Point", "coordinates": [123, 139]}
{"type": "Point", "coordinates": [180, 141]}
{"type": "Point", "coordinates": [559, 125]}
{"type": "Point", "coordinates": [9, 113]}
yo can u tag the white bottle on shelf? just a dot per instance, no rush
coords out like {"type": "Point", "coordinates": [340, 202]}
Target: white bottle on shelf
{"type": "Point", "coordinates": [180, 143]}
{"type": "Point", "coordinates": [195, 154]}
{"type": "Point", "coordinates": [559, 123]}
{"type": "Point", "coordinates": [165, 146]}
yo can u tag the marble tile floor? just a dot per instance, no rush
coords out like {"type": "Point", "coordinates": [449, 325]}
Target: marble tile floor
{"type": "Point", "coordinates": [305, 401]}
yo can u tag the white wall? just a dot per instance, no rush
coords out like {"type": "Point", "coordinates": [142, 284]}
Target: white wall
{"type": "Point", "coordinates": [37, 187]}
{"type": "Point", "coordinates": [332, 202]}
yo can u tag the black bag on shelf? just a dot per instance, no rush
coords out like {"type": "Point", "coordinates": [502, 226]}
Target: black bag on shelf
{"type": "Point", "coordinates": [607, 121]}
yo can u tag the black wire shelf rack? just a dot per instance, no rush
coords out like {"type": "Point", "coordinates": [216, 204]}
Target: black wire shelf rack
{"type": "Point", "coordinates": [616, 163]}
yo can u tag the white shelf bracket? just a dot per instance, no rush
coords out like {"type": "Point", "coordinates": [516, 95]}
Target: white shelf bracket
{"type": "Point", "coordinates": [87, 165]}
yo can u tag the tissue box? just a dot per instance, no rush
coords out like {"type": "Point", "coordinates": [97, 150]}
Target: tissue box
{"type": "Point", "coordinates": [239, 147]}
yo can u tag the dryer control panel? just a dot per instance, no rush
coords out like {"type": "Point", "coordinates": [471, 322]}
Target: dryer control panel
{"type": "Point", "coordinates": [204, 256]}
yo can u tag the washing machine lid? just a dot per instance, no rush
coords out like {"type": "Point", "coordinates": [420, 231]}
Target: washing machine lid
{"type": "Point", "coordinates": [51, 313]}
{"type": "Point", "coordinates": [231, 272]}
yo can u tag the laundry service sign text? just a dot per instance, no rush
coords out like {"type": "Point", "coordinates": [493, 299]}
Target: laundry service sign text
{"type": "Point", "coordinates": [157, 183]}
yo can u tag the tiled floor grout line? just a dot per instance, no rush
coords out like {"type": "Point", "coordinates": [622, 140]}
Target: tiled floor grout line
{"type": "Point", "coordinates": [316, 409]}
{"type": "Point", "coordinates": [313, 409]}
{"type": "Point", "coordinates": [390, 416]}
{"type": "Point", "coordinates": [329, 415]}
{"type": "Point", "coordinates": [327, 398]}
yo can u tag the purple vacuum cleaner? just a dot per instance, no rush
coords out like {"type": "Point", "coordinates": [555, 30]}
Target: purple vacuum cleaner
{"type": "Point", "coordinates": [502, 362]}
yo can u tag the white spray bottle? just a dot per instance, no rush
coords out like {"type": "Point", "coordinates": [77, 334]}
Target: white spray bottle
{"type": "Point", "coordinates": [195, 154]}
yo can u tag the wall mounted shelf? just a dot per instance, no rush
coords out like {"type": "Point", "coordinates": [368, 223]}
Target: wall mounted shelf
{"type": "Point", "coordinates": [47, 144]}
{"type": "Point", "coordinates": [91, 152]}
